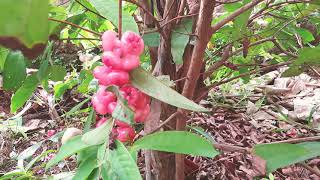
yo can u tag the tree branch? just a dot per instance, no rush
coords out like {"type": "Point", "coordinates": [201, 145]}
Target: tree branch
{"type": "Point", "coordinates": [75, 25]}
{"type": "Point", "coordinates": [77, 1]}
{"type": "Point", "coordinates": [203, 33]}
{"type": "Point", "coordinates": [244, 8]}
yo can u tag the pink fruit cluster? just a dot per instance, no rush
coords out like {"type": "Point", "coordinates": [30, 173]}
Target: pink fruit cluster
{"type": "Point", "coordinates": [119, 58]}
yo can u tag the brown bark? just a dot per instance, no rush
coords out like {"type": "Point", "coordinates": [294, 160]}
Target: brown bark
{"type": "Point", "coordinates": [203, 33]}
{"type": "Point", "coordinates": [165, 66]}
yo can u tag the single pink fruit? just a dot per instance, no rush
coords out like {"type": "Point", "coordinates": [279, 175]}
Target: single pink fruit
{"type": "Point", "coordinates": [130, 62]}
{"type": "Point", "coordinates": [101, 121]}
{"type": "Point", "coordinates": [102, 99]}
{"type": "Point", "coordinates": [107, 76]}
{"type": "Point", "coordinates": [105, 97]}
{"type": "Point", "coordinates": [111, 107]}
{"type": "Point", "coordinates": [121, 123]}
{"type": "Point", "coordinates": [141, 114]}
{"type": "Point", "coordinates": [98, 106]}
{"type": "Point", "coordinates": [51, 132]}
{"type": "Point", "coordinates": [119, 49]}
{"type": "Point", "coordinates": [125, 63]}
{"type": "Point", "coordinates": [108, 40]}
{"type": "Point", "coordinates": [135, 98]}
{"type": "Point", "coordinates": [133, 42]}
{"type": "Point", "coordinates": [110, 59]}
{"type": "Point", "coordinates": [125, 134]}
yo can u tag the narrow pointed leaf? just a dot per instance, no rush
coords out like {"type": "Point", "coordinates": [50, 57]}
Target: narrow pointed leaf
{"type": "Point", "coordinates": [156, 89]}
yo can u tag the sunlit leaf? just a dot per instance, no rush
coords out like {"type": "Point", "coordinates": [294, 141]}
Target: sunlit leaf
{"type": "Point", "coordinates": [109, 9]}
{"type": "Point", "coordinates": [24, 92]}
{"type": "Point", "coordinates": [177, 142]}
{"type": "Point", "coordinates": [14, 72]}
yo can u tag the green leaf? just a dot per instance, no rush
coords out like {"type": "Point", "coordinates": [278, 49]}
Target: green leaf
{"type": "Point", "coordinates": [240, 23]}
{"type": "Point", "coordinates": [280, 155]}
{"type": "Point", "coordinates": [30, 151]}
{"type": "Point", "coordinates": [24, 92]}
{"type": "Point", "coordinates": [180, 38]}
{"type": "Point", "coordinates": [98, 135]}
{"type": "Point", "coordinates": [42, 73]}
{"type": "Point", "coordinates": [3, 55]}
{"type": "Point", "coordinates": [57, 72]}
{"type": "Point", "coordinates": [109, 9]}
{"type": "Point", "coordinates": [90, 119]}
{"type": "Point", "coordinates": [71, 147]}
{"type": "Point", "coordinates": [151, 39]}
{"type": "Point", "coordinates": [312, 147]}
{"type": "Point", "coordinates": [177, 142]}
{"type": "Point", "coordinates": [76, 108]}
{"type": "Point", "coordinates": [122, 111]}
{"type": "Point", "coordinates": [34, 160]}
{"type": "Point", "coordinates": [156, 89]}
{"type": "Point", "coordinates": [308, 56]}
{"type": "Point", "coordinates": [107, 173]}
{"type": "Point", "coordinates": [85, 78]}
{"type": "Point", "coordinates": [123, 164]}
{"type": "Point", "coordinates": [24, 25]}
{"type": "Point", "coordinates": [61, 88]}
{"type": "Point", "coordinates": [85, 168]}
{"type": "Point", "coordinates": [14, 72]}
{"type": "Point", "coordinates": [305, 35]}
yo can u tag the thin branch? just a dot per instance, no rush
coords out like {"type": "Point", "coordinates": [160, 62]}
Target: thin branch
{"type": "Point", "coordinates": [298, 140]}
{"type": "Point", "coordinates": [178, 17]}
{"type": "Point", "coordinates": [170, 118]}
{"type": "Point", "coordinates": [274, 41]}
{"type": "Point", "coordinates": [94, 39]}
{"type": "Point", "coordinates": [75, 25]}
{"type": "Point", "coordinates": [217, 65]}
{"type": "Point", "coordinates": [244, 8]}
{"type": "Point", "coordinates": [156, 22]}
{"type": "Point", "coordinates": [77, 1]}
{"type": "Point", "coordinates": [240, 76]}
{"type": "Point", "coordinates": [231, 148]}
{"type": "Point", "coordinates": [311, 169]}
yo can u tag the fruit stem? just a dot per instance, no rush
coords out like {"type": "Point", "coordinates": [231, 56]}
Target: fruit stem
{"type": "Point", "coordinates": [120, 19]}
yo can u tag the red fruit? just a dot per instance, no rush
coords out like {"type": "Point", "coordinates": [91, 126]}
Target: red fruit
{"type": "Point", "coordinates": [102, 99]}
{"type": "Point", "coordinates": [125, 134]}
{"type": "Point", "coordinates": [107, 76]}
{"type": "Point", "coordinates": [125, 63]}
{"type": "Point", "coordinates": [133, 42]}
{"type": "Point", "coordinates": [98, 106]}
{"type": "Point", "coordinates": [51, 132]}
{"type": "Point", "coordinates": [141, 114]}
{"type": "Point", "coordinates": [106, 97]}
{"type": "Point", "coordinates": [135, 98]}
{"type": "Point", "coordinates": [130, 62]}
{"type": "Point", "coordinates": [111, 107]}
{"type": "Point", "coordinates": [108, 40]}
{"type": "Point", "coordinates": [100, 122]}
{"type": "Point", "coordinates": [121, 123]}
